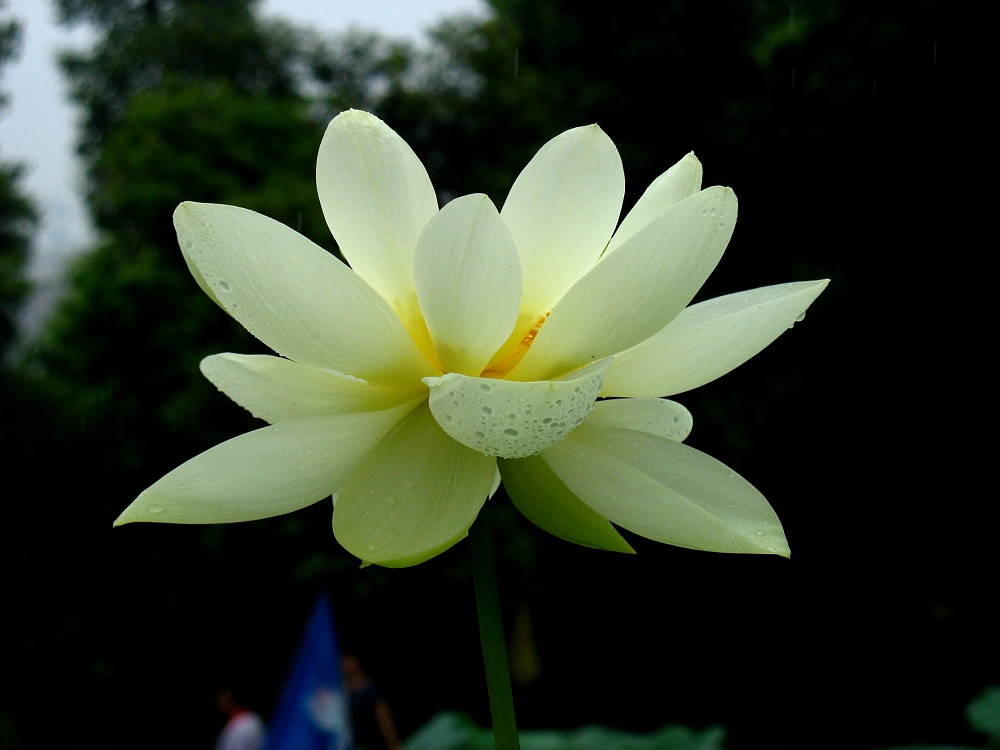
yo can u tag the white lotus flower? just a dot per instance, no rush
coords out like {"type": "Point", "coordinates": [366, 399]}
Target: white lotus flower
{"type": "Point", "coordinates": [465, 344]}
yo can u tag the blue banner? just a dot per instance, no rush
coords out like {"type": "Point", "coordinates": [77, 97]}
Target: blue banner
{"type": "Point", "coordinates": [312, 711]}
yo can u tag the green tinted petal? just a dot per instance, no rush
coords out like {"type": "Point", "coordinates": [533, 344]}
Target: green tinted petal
{"type": "Point", "coordinates": [296, 297]}
{"type": "Point", "coordinates": [562, 210]}
{"type": "Point", "coordinates": [664, 490]}
{"type": "Point", "coordinates": [377, 198]}
{"type": "Point", "coordinates": [637, 290]}
{"type": "Point", "coordinates": [468, 283]}
{"type": "Point", "coordinates": [509, 418]}
{"type": "Point", "coordinates": [279, 390]}
{"type": "Point", "coordinates": [679, 182]}
{"type": "Point", "coordinates": [414, 496]}
{"type": "Point", "coordinates": [266, 472]}
{"type": "Point", "coordinates": [657, 416]}
{"type": "Point", "coordinates": [545, 501]}
{"type": "Point", "coordinates": [709, 339]}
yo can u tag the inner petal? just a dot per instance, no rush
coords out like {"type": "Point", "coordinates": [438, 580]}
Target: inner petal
{"type": "Point", "coordinates": [514, 419]}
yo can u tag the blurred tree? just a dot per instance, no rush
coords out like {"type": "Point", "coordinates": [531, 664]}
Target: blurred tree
{"type": "Point", "coordinates": [146, 42]}
{"type": "Point", "coordinates": [17, 216]}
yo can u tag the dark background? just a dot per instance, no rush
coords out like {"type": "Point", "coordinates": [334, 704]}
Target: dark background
{"type": "Point", "coordinates": [861, 140]}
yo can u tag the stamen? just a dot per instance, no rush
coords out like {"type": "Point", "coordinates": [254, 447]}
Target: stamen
{"type": "Point", "coordinates": [530, 336]}
{"type": "Point", "coordinates": [507, 364]}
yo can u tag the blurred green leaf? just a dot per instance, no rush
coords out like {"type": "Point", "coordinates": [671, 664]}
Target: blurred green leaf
{"type": "Point", "coordinates": [454, 731]}
{"type": "Point", "coordinates": [984, 712]}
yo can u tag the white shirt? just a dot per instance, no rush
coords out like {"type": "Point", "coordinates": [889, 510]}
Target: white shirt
{"type": "Point", "coordinates": [244, 731]}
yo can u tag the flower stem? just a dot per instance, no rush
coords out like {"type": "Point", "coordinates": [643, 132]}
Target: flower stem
{"type": "Point", "coordinates": [484, 572]}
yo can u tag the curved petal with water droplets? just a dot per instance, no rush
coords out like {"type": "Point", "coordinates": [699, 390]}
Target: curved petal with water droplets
{"type": "Point", "coordinates": [468, 281]}
{"type": "Point", "coordinates": [562, 210]}
{"type": "Point", "coordinates": [709, 339]}
{"type": "Point", "coordinates": [509, 418]}
{"type": "Point", "coordinates": [279, 390]}
{"type": "Point", "coordinates": [414, 496]}
{"type": "Point", "coordinates": [666, 491]}
{"type": "Point", "coordinates": [200, 280]}
{"type": "Point", "coordinates": [679, 182]}
{"type": "Point", "coordinates": [548, 503]}
{"type": "Point", "coordinates": [267, 472]}
{"type": "Point", "coordinates": [296, 297]}
{"type": "Point", "coordinates": [657, 416]}
{"type": "Point", "coordinates": [376, 197]}
{"type": "Point", "coordinates": [637, 290]}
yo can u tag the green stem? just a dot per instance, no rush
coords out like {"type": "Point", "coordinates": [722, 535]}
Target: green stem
{"type": "Point", "coordinates": [484, 572]}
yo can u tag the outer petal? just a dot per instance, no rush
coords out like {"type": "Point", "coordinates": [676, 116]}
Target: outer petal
{"type": "Point", "coordinates": [664, 490]}
{"type": "Point", "coordinates": [376, 197]}
{"type": "Point", "coordinates": [548, 503]}
{"type": "Point", "coordinates": [512, 419]}
{"type": "Point", "coordinates": [562, 210]}
{"type": "Point", "coordinates": [279, 390]}
{"type": "Point", "coordinates": [637, 290]}
{"type": "Point", "coordinates": [414, 496]}
{"type": "Point", "coordinates": [468, 281]}
{"type": "Point", "coordinates": [656, 416]}
{"type": "Point", "coordinates": [709, 339]}
{"type": "Point", "coordinates": [266, 472]}
{"type": "Point", "coordinates": [296, 297]}
{"type": "Point", "coordinates": [679, 182]}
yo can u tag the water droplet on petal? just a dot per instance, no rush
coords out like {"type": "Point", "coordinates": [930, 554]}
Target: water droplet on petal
{"type": "Point", "coordinates": [156, 509]}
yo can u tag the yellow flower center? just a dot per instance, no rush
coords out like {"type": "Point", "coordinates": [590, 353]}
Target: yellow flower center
{"type": "Point", "coordinates": [500, 369]}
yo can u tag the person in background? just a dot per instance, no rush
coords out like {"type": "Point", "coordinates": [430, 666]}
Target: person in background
{"type": "Point", "coordinates": [371, 718]}
{"type": "Point", "coordinates": [244, 730]}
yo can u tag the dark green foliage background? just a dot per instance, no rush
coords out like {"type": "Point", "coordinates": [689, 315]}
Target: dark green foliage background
{"type": "Point", "coordinates": [859, 138]}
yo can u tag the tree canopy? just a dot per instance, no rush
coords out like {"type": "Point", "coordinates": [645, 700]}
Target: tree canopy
{"type": "Point", "coordinates": [17, 215]}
